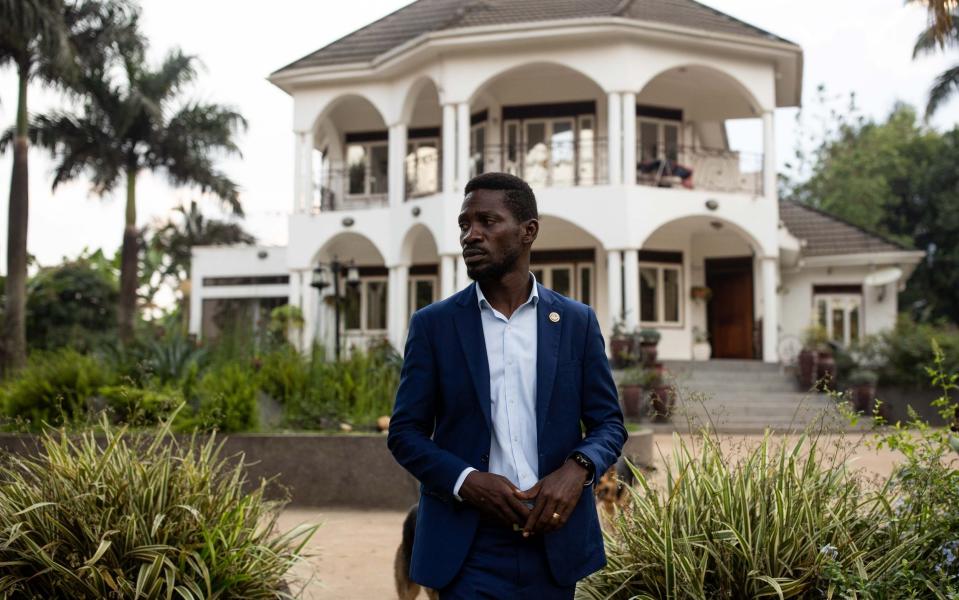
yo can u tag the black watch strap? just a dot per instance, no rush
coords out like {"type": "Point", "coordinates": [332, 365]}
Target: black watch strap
{"type": "Point", "coordinates": [587, 464]}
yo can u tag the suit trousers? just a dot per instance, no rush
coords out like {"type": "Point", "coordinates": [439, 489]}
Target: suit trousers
{"type": "Point", "coordinates": [503, 565]}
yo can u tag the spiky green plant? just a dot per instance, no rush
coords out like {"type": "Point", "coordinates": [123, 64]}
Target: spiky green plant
{"type": "Point", "coordinates": [110, 516]}
{"type": "Point", "coordinates": [774, 523]}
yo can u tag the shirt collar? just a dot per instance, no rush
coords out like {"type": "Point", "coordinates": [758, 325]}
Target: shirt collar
{"type": "Point", "coordinates": [484, 303]}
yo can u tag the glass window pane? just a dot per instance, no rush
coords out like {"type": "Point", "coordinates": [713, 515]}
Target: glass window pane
{"type": "Point", "coordinates": [671, 138]}
{"type": "Point", "coordinates": [423, 295]}
{"type": "Point", "coordinates": [351, 307]}
{"type": "Point", "coordinates": [379, 167]}
{"type": "Point", "coordinates": [562, 281]}
{"type": "Point", "coordinates": [422, 168]}
{"type": "Point", "coordinates": [647, 294]}
{"type": "Point", "coordinates": [821, 313]}
{"type": "Point", "coordinates": [561, 153]}
{"type": "Point", "coordinates": [586, 285]}
{"type": "Point", "coordinates": [478, 151]}
{"type": "Point", "coordinates": [837, 322]}
{"type": "Point", "coordinates": [512, 148]}
{"type": "Point", "coordinates": [854, 324]}
{"type": "Point", "coordinates": [376, 305]}
{"type": "Point", "coordinates": [538, 274]}
{"type": "Point", "coordinates": [536, 157]}
{"type": "Point", "coordinates": [671, 295]}
{"type": "Point", "coordinates": [648, 141]}
{"type": "Point", "coordinates": [356, 167]}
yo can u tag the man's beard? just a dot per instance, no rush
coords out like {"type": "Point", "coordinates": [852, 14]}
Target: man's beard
{"type": "Point", "coordinates": [494, 271]}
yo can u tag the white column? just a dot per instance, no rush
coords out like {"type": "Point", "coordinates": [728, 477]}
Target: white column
{"type": "Point", "coordinates": [614, 265]}
{"type": "Point", "coordinates": [303, 172]}
{"type": "Point", "coordinates": [397, 156]}
{"type": "Point", "coordinates": [296, 299]}
{"type": "Point", "coordinates": [311, 316]}
{"type": "Point", "coordinates": [462, 279]}
{"type": "Point", "coordinates": [769, 156]}
{"type": "Point", "coordinates": [398, 310]}
{"type": "Point", "coordinates": [196, 303]}
{"type": "Point", "coordinates": [462, 146]}
{"type": "Point", "coordinates": [614, 131]}
{"type": "Point", "coordinates": [447, 276]}
{"type": "Point", "coordinates": [629, 138]}
{"type": "Point", "coordinates": [631, 283]}
{"type": "Point", "coordinates": [449, 147]}
{"type": "Point", "coordinates": [770, 314]}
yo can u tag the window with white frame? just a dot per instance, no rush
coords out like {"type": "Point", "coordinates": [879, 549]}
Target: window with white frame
{"type": "Point", "coordinates": [364, 305]}
{"type": "Point", "coordinates": [422, 166]}
{"type": "Point", "coordinates": [658, 139]}
{"type": "Point", "coordinates": [367, 165]}
{"type": "Point", "coordinates": [551, 151]}
{"type": "Point", "coordinates": [571, 280]}
{"type": "Point", "coordinates": [477, 149]}
{"type": "Point", "coordinates": [422, 291]}
{"type": "Point", "coordinates": [660, 294]}
{"type": "Point", "coordinates": [840, 314]}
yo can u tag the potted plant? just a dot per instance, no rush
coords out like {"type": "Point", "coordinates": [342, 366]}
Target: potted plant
{"type": "Point", "coordinates": [862, 385]}
{"type": "Point", "coordinates": [621, 346]}
{"type": "Point", "coordinates": [662, 396]}
{"type": "Point", "coordinates": [700, 293]}
{"type": "Point", "coordinates": [648, 339]}
{"type": "Point", "coordinates": [631, 385]}
{"type": "Point", "coordinates": [702, 349]}
{"type": "Point", "coordinates": [812, 337]}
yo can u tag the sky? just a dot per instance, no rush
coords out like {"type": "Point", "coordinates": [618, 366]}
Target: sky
{"type": "Point", "coordinates": [860, 46]}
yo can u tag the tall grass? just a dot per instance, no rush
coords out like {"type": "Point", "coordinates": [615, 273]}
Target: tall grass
{"type": "Point", "coordinates": [776, 522]}
{"type": "Point", "coordinates": [129, 518]}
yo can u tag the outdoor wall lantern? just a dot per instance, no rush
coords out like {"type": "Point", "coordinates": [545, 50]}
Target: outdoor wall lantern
{"type": "Point", "coordinates": [416, 211]}
{"type": "Point", "coordinates": [326, 274]}
{"type": "Point", "coordinates": [712, 204]}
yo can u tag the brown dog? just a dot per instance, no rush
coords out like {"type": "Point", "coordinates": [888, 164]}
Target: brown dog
{"type": "Point", "coordinates": [405, 588]}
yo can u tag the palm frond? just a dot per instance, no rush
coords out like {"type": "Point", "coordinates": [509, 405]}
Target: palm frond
{"type": "Point", "coordinates": [945, 85]}
{"type": "Point", "coordinates": [938, 37]}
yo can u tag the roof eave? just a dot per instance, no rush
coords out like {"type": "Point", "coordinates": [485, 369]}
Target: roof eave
{"type": "Point", "coordinates": [288, 78]}
{"type": "Point", "coordinates": [865, 258]}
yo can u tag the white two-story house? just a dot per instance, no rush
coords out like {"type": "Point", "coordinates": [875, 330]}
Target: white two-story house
{"type": "Point", "coordinates": [616, 113]}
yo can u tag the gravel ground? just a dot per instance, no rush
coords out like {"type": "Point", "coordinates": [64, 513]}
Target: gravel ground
{"type": "Point", "coordinates": [351, 555]}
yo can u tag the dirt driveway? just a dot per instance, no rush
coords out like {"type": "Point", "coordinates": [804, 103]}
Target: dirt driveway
{"type": "Point", "coordinates": [352, 553]}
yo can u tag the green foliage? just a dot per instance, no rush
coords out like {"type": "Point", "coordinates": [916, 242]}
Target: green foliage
{"type": "Point", "coordinates": [284, 374]}
{"type": "Point", "coordinates": [72, 304]}
{"type": "Point", "coordinates": [120, 518]}
{"type": "Point", "coordinates": [286, 322]}
{"type": "Point", "coordinates": [899, 355]}
{"type": "Point", "coordinates": [54, 388]}
{"type": "Point", "coordinates": [226, 399]}
{"type": "Point", "coordinates": [139, 407]}
{"type": "Point", "coordinates": [769, 524]}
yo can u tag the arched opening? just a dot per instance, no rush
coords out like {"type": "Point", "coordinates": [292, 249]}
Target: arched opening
{"type": "Point", "coordinates": [699, 279]}
{"type": "Point", "coordinates": [351, 156]}
{"type": "Point", "coordinates": [357, 288]}
{"type": "Point", "coordinates": [540, 122]}
{"type": "Point", "coordinates": [422, 162]}
{"type": "Point", "coordinates": [420, 253]}
{"type": "Point", "coordinates": [698, 127]}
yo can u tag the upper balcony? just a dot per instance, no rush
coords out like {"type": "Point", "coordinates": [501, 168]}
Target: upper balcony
{"type": "Point", "coordinates": [549, 124]}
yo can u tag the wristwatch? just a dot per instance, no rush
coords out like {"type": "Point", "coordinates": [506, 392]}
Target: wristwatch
{"type": "Point", "coordinates": [580, 459]}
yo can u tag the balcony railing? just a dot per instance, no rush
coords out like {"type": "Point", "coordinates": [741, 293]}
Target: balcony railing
{"type": "Point", "coordinates": [713, 169]}
{"type": "Point", "coordinates": [548, 164]}
{"type": "Point", "coordinates": [350, 188]}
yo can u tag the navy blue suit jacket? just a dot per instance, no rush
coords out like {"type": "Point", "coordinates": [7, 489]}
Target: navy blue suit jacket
{"type": "Point", "coordinates": [441, 424]}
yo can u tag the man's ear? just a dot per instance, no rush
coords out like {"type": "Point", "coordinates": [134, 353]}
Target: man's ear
{"type": "Point", "coordinates": [530, 231]}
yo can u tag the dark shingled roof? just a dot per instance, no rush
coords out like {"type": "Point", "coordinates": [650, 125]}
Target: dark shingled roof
{"type": "Point", "coordinates": [828, 235]}
{"type": "Point", "coordinates": [424, 16]}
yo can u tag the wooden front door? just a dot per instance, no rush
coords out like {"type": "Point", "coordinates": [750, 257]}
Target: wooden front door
{"type": "Point", "coordinates": [730, 311]}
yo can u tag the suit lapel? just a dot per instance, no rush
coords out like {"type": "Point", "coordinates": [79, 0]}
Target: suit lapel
{"type": "Point", "coordinates": [469, 325]}
{"type": "Point", "coordinates": [547, 353]}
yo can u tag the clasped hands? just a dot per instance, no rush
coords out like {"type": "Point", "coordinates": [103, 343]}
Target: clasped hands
{"type": "Point", "coordinates": [554, 497]}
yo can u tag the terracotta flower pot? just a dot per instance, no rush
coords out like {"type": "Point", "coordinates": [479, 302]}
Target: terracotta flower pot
{"type": "Point", "coordinates": [648, 353]}
{"type": "Point", "coordinates": [632, 399]}
{"type": "Point", "coordinates": [825, 370]}
{"type": "Point", "coordinates": [864, 397]}
{"type": "Point", "coordinates": [807, 369]}
{"type": "Point", "coordinates": [622, 350]}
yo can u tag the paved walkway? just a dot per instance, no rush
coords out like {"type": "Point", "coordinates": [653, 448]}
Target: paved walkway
{"type": "Point", "coordinates": [352, 552]}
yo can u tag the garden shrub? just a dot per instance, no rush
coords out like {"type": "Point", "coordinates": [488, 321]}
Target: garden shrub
{"type": "Point", "coordinates": [903, 352]}
{"type": "Point", "coordinates": [139, 406]}
{"type": "Point", "coordinates": [283, 374]}
{"type": "Point", "coordinates": [770, 525]}
{"type": "Point", "coordinates": [226, 399]}
{"type": "Point", "coordinates": [155, 519]}
{"type": "Point", "coordinates": [54, 387]}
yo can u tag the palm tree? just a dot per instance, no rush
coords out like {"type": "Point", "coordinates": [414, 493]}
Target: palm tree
{"type": "Point", "coordinates": [942, 33]}
{"type": "Point", "coordinates": [46, 41]}
{"type": "Point", "coordinates": [141, 123]}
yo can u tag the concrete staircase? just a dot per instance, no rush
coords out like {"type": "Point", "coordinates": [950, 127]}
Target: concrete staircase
{"type": "Point", "coordinates": [743, 396]}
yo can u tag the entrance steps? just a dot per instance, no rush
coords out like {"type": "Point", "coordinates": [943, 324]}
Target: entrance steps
{"type": "Point", "coordinates": [743, 396]}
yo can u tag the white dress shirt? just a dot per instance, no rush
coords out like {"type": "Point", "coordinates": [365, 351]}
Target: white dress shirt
{"type": "Point", "coordinates": [511, 350]}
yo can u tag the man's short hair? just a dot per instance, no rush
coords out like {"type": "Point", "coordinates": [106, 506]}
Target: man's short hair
{"type": "Point", "coordinates": [519, 196]}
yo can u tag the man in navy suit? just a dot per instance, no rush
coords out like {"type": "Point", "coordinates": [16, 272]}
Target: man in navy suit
{"type": "Point", "coordinates": [506, 413]}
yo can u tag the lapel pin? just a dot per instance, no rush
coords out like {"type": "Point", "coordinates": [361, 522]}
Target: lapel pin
{"type": "Point", "coordinates": [554, 317]}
